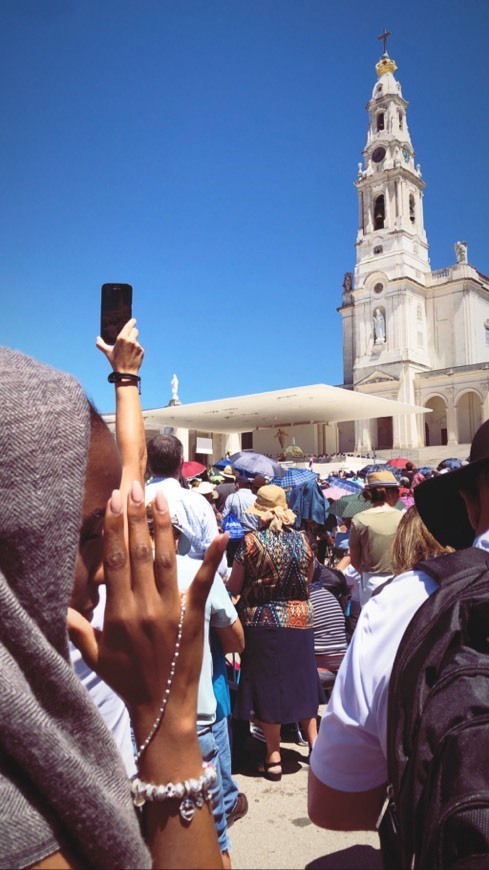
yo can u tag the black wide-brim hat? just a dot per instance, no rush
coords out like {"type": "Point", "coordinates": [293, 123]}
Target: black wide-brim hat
{"type": "Point", "coordinates": [439, 503]}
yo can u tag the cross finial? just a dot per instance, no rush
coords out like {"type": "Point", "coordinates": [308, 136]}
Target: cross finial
{"type": "Point", "coordinates": [384, 37]}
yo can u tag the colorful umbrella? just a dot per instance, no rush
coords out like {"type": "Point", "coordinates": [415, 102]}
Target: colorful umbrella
{"type": "Point", "coordinates": [334, 492]}
{"type": "Point", "coordinates": [256, 463]}
{"type": "Point", "coordinates": [452, 463]}
{"type": "Point", "coordinates": [192, 469]}
{"type": "Point", "coordinates": [375, 466]}
{"type": "Point", "coordinates": [294, 477]}
{"type": "Point", "coordinates": [339, 506]}
{"type": "Point", "coordinates": [398, 462]}
{"type": "Point", "coordinates": [426, 470]}
{"type": "Point", "coordinates": [397, 472]}
{"type": "Point", "coordinates": [222, 463]}
{"type": "Point", "coordinates": [358, 503]}
{"type": "Point", "coordinates": [345, 483]}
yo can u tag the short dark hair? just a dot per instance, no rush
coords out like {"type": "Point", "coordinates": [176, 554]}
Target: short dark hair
{"type": "Point", "coordinates": [257, 482]}
{"type": "Point", "coordinates": [165, 455]}
{"type": "Point", "coordinates": [379, 494]}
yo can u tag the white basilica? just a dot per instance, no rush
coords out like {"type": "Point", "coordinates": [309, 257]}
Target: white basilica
{"type": "Point", "coordinates": [409, 333]}
{"type": "Point", "coordinates": [413, 339]}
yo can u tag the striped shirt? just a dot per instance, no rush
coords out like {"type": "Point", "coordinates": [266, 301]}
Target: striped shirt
{"type": "Point", "coordinates": [329, 625]}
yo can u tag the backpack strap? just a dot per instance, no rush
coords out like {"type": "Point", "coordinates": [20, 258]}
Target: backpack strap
{"type": "Point", "coordinates": [451, 567]}
{"type": "Point", "coordinates": [463, 578]}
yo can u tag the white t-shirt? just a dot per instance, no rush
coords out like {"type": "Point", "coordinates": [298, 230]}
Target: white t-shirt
{"type": "Point", "coordinates": [109, 704]}
{"type": "Point", "coordinates": [350, 753]}
{"type": "Point", "coordinates": [220, 612]}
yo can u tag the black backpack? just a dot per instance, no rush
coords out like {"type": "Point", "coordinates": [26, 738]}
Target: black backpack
{"type": "Point", "coordinates": [436, 816]}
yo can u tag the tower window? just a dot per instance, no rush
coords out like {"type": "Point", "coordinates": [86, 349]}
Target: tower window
{"type": "Point", "coordinates": [419, 313]}
{"type": "Point", "coordinates": [379, 213]}
{"type": "Point", "coordinates": [380, 121]}
{"type": "Point", "coordinates": [400, 117]}
{"type": "Point", "coordinates": [378, 250]}
{"type": "Point", "coordinates": [412, 210]}
{"type": "Point", "coordinates": [486, 328]}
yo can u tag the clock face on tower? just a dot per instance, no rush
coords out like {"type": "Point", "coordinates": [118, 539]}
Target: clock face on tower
{"type": "Point", "coordinates": [378, 154]}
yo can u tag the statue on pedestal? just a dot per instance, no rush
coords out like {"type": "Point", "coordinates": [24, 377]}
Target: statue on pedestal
{"type": "Point", "coordinates": [174, 392]}
{"type": "Point", "coordinates": [347, 288]}
{"type": "Point", "coordinates": [379, 326]}
{"type": "Point", "coordinates": [461, 252]}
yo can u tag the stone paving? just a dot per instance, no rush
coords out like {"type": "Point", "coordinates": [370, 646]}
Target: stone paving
{"type": "Point", "coordinates": [277, 833]}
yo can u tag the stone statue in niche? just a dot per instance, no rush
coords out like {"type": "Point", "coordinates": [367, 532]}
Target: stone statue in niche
{"type": "Point", "coordinates": [461, 251]}
{"type": "Point", "coordinates": [379, 326]}
{"type": "Point", "coordinates": [347, 288]}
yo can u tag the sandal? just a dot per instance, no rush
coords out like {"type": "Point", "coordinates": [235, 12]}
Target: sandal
{"type": "Point", "coordinates": [271, 770]}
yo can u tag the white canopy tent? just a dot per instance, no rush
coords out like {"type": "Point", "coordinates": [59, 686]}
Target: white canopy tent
{"type": "Point", "coordinates": [318, 403]}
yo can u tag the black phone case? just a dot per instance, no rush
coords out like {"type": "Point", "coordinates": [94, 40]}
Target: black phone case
{"type": "Point", "coordinates": [116, 310]}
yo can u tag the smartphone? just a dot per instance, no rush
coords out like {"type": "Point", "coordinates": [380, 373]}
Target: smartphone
{"type": "Point", "coordinates": [115, 310]}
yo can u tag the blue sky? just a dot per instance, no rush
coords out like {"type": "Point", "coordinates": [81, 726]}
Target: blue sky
{"type": "Point", "coordinates": [204, 151]}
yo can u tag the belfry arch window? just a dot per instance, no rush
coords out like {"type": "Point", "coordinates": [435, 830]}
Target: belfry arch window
{"type": "Point", "coordinates": [400, 117]}
{"type": "Point", "coordinates": [379, 213]}
{"type": "Point", "coordinates": [380, 121]}
{"type": "Point", "coordinates": [412, 209]}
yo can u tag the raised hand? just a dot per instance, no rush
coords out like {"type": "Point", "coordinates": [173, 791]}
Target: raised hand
{"type": "Point", "coordinates": [126, 355]}
{"type": "Point", "coordinates": [134, 651]}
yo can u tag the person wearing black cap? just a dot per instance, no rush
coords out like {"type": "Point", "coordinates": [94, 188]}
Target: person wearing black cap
{"type": "Point", "coordinates": [348, 772]}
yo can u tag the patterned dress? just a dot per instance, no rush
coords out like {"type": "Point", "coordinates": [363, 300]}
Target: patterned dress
{"type": "Point", "coordinates": [278, 682]}
{"type": "Point", "coordinates": [275, 592]}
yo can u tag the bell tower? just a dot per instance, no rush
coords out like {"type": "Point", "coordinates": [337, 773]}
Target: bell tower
{"type": "Point", "coordinates": [409, 333]}
{"type": "Point", "coordinates": [384, 307]}
{"type": "Point", "coordinates": [391, 235]}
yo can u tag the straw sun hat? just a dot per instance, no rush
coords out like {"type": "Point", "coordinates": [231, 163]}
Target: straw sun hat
{"type": "Point", "coordinates": [382, 478]}
{"type": "Point", "coordinates": [271, 505]}
{"type": "Point", "coordinates": [268, 497]}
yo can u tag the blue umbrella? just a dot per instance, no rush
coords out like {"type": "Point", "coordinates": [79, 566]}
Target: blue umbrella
{"type": "Point", "coordinates": [295, 477]}
{"type": "Point", "coordinates": [222, 463]}
{"type": "Point", "coordinates": [345, 483]}
{"type": "Point", "coordinates": [255, 463]}
{"type": "Point", "coordinates": [376, 466]}
{"type": "Point", "coordinates": [427, 470]}
{"type": "Point", "coordinates": [384, 467]}
{"type": "Point", "coordinates": [452, 463]}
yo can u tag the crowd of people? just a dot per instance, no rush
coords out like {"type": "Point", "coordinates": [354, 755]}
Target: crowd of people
{"type": "Point", "coordinates": [129, 592]}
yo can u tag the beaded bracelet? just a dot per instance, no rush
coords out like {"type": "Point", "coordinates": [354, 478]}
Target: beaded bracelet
{"type": "Point", "coordinates": [166, 693]}
{"type": "Point", "coordinates": [125, 378]}
{"type": "Point", "coordinates": [191, 793]}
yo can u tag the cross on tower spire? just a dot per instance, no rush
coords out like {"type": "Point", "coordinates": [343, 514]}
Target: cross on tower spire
{"type": "Point", "coordinates": [384, 37]}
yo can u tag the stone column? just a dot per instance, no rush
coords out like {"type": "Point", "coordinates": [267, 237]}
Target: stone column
{"type": "Point", "coordinates": [363, 436]}
{"type": "Point", "coordinates": [183, 436]}
{"type": "Point", "coordinates": [485, 401]}
{"type": "Point", "coordinates": [233, 442]}
{"type": "Point", "coordinates": [452, 422]}
{"type": "Point", "coordinates": [405, 428]}
{"type": "Point", "coordinates": [368, 208]}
